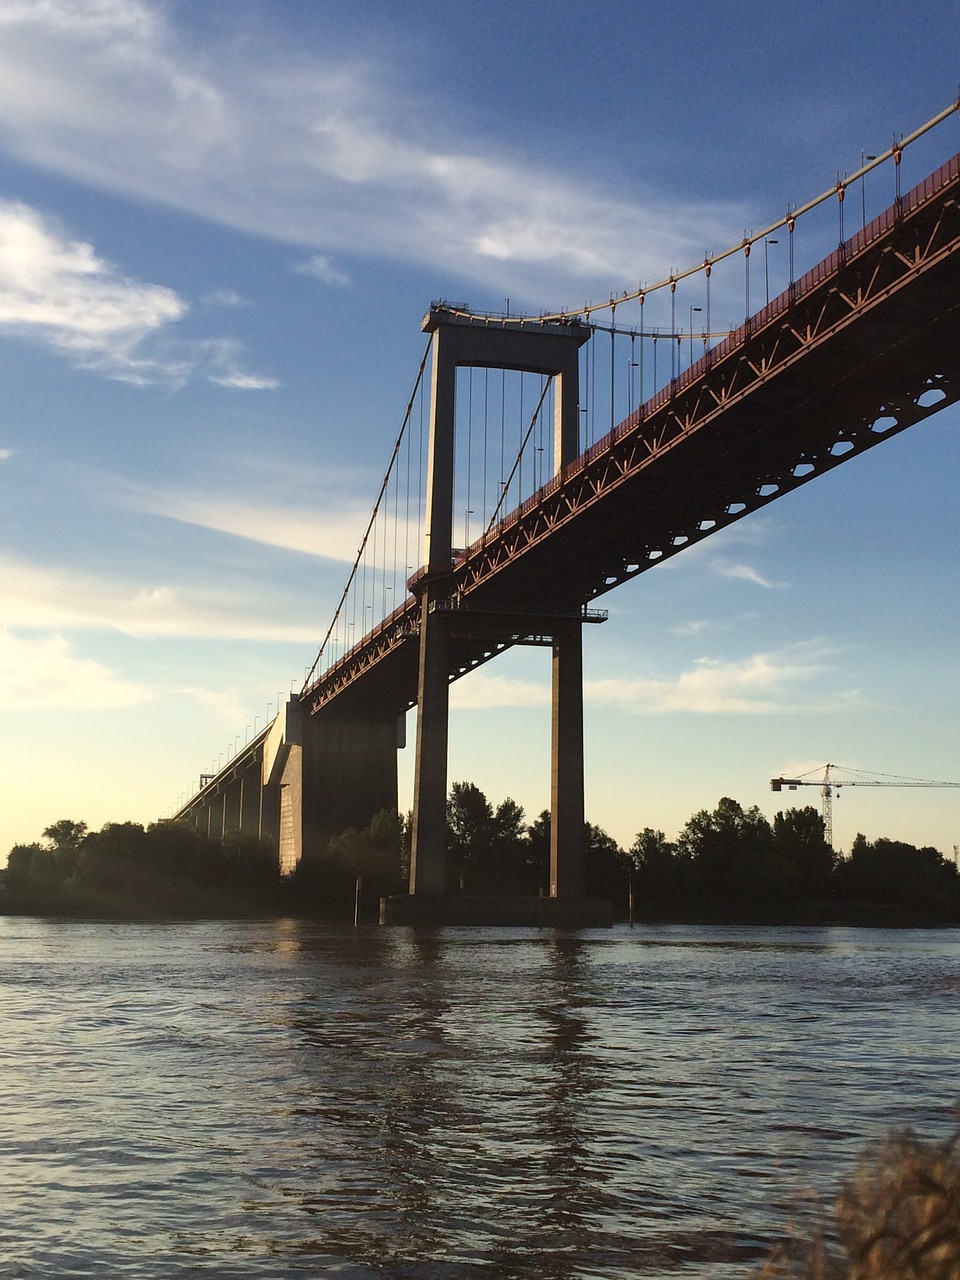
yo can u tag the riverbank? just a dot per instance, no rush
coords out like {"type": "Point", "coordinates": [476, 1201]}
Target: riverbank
{"type": "Point", "coordinates": [285, 901]}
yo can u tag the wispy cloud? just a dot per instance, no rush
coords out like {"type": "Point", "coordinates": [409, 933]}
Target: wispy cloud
{"type": "Point", "coordinates": [48, 598]}
{"type": "Point", "coordinates": [743, 573]}
{"type": "Point", "coordinates": [5, 454]}
{"type": "Point", "coordinates": [694, 627]}
{"type": "Point", "coordinates": [761, 684]}
{"type": "Point", "coordinates": [320, 266]}
{"type": "Point", "coordinates": [38, 671]}
{"type": "Point", "coordinates": [245, 381]}
{"type": "Point", "coordinates": [333, 532]}
{"type": "Point", "coordinates": [481, 689]}
{"type": "Point", "coordinates": [308, 150]}
{"type": "Point", "coordinates": [57, 291]}
{"type": "Point", "coordinates": [223, 298]}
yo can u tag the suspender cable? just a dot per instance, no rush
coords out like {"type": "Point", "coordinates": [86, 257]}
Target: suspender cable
{"type": "Point", "coordinates": [503, 428]}
{"type": "Point", "coordinates": [360, 558]}
{"type": "Point", "coordinates": [523, 445]}
{"type": "Point", "coordinates": [895, 152]}
{"type": "Point", "coordinates": [467, 512]}
{"type": "Point", "coordinates": [486, 423]}
{"type": "Point", "coordinates": [613, 379]}
{"type": "Point", "coordinates": [643, 398]}
{"type": "Point", "coordinates": [520, 444]}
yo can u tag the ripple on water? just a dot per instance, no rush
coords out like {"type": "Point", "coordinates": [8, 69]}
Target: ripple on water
{"type": "Point", "coordinates": [273, 1099]}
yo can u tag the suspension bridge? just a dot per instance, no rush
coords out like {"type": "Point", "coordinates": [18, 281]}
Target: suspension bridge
{"type": "Point", "coordinates": [543, 460]}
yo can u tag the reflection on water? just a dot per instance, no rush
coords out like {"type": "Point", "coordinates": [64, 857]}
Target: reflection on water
{"type": "Point", "coordinates": [277, 1098]}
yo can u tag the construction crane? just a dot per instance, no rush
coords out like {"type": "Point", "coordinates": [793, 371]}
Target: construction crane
{"type": "Point", "coordinates": [828, 784]}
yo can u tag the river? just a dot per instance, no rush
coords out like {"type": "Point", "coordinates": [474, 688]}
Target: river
{"type": "Point", "coordinates": [278, 1098]}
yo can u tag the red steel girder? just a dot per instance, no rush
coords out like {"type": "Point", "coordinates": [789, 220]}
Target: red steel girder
{"type": "Point", "coordinates": [863, 346]}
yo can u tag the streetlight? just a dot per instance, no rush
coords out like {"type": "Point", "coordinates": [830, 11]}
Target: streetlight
{"type": "Point", "coordinates": [766, 266]}
{"type": "Point", "coordinates": [692, 310]}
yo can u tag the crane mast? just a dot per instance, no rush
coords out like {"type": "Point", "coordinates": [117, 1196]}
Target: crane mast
{"type": "Point", "coordinates": [828, 784]}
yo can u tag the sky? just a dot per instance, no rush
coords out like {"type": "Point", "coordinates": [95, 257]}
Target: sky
{"type": "Point", "coordinates": [220, 227]}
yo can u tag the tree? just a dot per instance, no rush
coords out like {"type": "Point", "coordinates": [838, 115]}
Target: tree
{"type": "Point", "coordinates": [537, 855]}
{"type": "Point", "coordinates": [504, 866]}
{"type": "Point", "coordinates": [763, 875]}
{"type": "Point", "coordinates": [798, 834]}
{"type": "Point", "coordinates": [65, 834]}
{"type": "Point", "coordinates": [660, 872]}
{"type": "Point", "coordinates": [717, 842]}
{"type": "Point", "coordinates": [486, 847]}
{"type": "Point", "coordinates": [27, 863]}
{"type": "Point", "coordinates": [250, 865]}
{"type": "Point", "coordinates": [470, 832]}
{"type": "Point", "coordinates": [64, 840]}
{"type": "Point", "coordinates": [606, 868]}
{"type": "Point", "coordinates": [326, 877]}
{"type": "Point", "coordinates": [374, 853]}
{"type": "Point", "coordinates": [111, 860]}
{"type": "Point", "coordinates": [893, 873]}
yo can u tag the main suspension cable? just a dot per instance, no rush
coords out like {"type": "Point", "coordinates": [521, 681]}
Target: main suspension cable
{"type": "Point", "coordinates": [836, 192]}
{"type": "Point", "coordinates": [360, 556]}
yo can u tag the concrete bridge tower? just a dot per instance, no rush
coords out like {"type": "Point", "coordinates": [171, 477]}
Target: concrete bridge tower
{"type": "Point", "coordinates": [551, 349]}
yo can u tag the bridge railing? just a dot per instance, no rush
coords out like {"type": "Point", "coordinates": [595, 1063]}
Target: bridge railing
{"type": "Point", "coordinates": [878, 227]}
{"type": "Point", "coordinates": [796, 291]}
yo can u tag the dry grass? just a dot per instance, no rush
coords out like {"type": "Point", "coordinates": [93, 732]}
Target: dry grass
{"type": "Point", "coordinates": [897, 1218]}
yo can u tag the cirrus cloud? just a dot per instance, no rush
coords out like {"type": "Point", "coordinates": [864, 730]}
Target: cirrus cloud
{"type": "Point", "coordinates": [51, 599]}
{"type": "Point", "coordinates": [57, 291]}
{"type": "Point", "coordinates": [307, 149]}
{"type": "Point", "coordinates": [764, 683]}
{"type": "Point", "coordinates": [38, 671]}
{"type": "Point", "coordinates": [760, 684]}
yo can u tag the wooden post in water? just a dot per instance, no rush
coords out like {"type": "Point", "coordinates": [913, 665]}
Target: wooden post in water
{"type": "Point", "coordinates": [356, 901]}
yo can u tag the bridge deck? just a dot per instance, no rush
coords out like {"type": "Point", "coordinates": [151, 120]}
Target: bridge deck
{"type": "Point", "coordinates": [860, 348]}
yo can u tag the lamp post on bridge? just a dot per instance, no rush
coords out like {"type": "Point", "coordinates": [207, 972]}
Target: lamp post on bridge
{"type": "Point", "coordinates": [864, 159]}
{"type": "Point", "coordinates": [766, 267]}
{"type": "Point", "coordinates": [693, 310]}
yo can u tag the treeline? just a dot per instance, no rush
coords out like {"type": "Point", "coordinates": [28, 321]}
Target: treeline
{"type": "Point", "coordinates": [735, 856]}
{"type": "Point", "coordinates": [726, 862]}
{"type": "Point", "coordinates": [125, 869]}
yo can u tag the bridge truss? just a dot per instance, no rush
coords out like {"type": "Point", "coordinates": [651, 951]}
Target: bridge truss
{"type": "Point", "coordinates": [858, 349]}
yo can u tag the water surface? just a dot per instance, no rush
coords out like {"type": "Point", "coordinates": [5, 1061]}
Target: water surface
{"type": "Point", "coordinates": [279, 1098]}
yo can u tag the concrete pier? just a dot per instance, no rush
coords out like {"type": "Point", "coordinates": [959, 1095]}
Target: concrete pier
{"type": "Point", "coordinates": [426, 912]}
{"type": "Point", "coordinates": [554, 351]}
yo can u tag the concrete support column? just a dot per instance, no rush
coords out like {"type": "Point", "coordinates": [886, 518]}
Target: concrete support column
{"type": "Point", "coordinates": [566, 769]}
{"type": "Point", "coordinates": [251, 792]}
{"type": "Point", "coordinates": [290, 846]}
{"type": "Point", "coordinates": [566, 412]}
{"type": "Point", "coordinates": [428, 853]}
{"type": "Point", "coordinates": [545, 349]}
{"type": "Point", "coordinates": [438, 546]}
{"type": "Point", "coordinates": [216, 814]}
{"type": "Point", "coordinates": [232, 804]}
{"type": "Point", "coordinates": [269, 828]}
